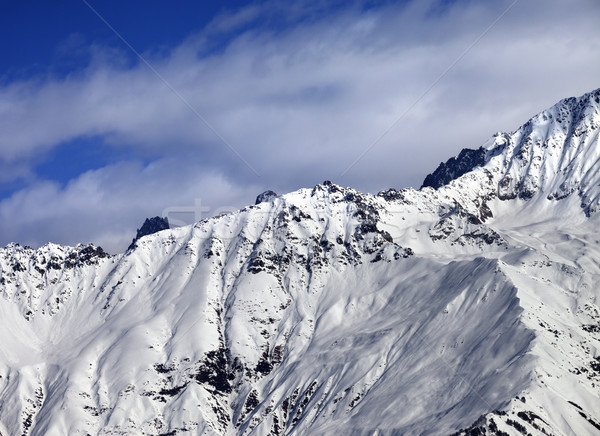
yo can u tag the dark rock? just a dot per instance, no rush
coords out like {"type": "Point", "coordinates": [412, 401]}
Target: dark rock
{"type": "Point", "coordinates": [591, 328]}
{"type": "Point", "coordinates": [481, 427]}
{"type": "Point", "coordinates": [213, 372]}
{"type": "Point", "coordinates": [264, 367]}
{"type": "Point", "coordinates": [251, 401]}
{"type": "Point", "coordinates": [393, 195]}
{"type": "Point", "coordinates": [87, 255]}
{"type": "Point", "coordinates": [18, 267]}
{"type": "Point", "coordinates": [453, 168]}
{"type": "Point", "coordinates": [163, 369]}
{"type": "Point", "coordinates": [265, 197]}
{"type": "Point", "coordinates": [575, 404]}
{"type": "Point", "coordinates": [150, 226]}
{"type": "Point", "coordinates": [171, 392]}
{"type": "Point", "coordinates": [520, 427]}
{"type": "Point", "coordinates": [590, 420]}
{"type": "Point", "coordinates": [327, 186]}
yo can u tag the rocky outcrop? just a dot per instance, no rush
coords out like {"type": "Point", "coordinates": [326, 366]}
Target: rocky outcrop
{"type": "Point", "coordinates": [150, 226]}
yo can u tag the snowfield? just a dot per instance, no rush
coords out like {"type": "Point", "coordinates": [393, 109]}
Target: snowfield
{"type": "Point", "coordinates": [468, 307]}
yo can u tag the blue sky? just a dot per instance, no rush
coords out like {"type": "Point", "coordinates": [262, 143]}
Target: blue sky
{"type": "Point", "coordinates": [93, 140]}
{"type": "Point", "coordinates": [52, 35]}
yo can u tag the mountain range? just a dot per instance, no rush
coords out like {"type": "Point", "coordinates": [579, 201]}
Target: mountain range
{"type": "Point", "coordinates": [469, 306]}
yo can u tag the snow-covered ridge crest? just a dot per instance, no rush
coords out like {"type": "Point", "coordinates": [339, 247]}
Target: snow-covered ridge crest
{"type": "Point", "coordinates": [327, 310]}
{"type": "Point", "coordinates": [27, 275]}
{"type": "Point", "coordinates": [554, 155]}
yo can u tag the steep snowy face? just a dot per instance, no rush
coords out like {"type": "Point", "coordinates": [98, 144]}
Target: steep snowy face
{"type": "Point", "coordinates": [467, 309]}
{"type": "Point", "coordinates": [300, 314]}
{"type": "Point", "coordinates": [28, 275]}
{"type": "Point", "coordinates": [554, 155]}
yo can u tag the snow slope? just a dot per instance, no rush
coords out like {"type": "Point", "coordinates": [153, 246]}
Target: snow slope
{"type": "Point", "coordinates": [467, 309]}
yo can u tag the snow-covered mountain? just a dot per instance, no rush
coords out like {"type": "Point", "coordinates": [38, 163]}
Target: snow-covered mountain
{"type": "Point", "coordinates": [467, 307]}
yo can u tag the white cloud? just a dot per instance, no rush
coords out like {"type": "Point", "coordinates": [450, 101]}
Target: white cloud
{"type": "Point", "coordinates": [105, 206]}
{"type": "Point", "coordinates": [299, 104]}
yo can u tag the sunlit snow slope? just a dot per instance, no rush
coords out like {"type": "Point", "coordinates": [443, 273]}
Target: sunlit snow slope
{"type": "Point", "coordinates": [467, 307]}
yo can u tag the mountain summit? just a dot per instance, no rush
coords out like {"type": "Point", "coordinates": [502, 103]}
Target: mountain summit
{"type": "Point", "coordinates": [468, 307]}
{"type": "Point", "coordinates": [150, 226]}
{"type": "Point", "coordinates": [555, 153]}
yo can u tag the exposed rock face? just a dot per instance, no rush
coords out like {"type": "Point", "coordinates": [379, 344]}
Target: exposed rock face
{"type": "Point", "coordinates": [455, 167]}
{"type": "Point", "coordinates": [265, 197]}
{"type": "Point", "coordinates": [150, 226]}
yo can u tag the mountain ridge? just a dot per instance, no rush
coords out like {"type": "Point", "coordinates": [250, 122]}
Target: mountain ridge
{"type": "Point", "coordinates": [467, 309]}
{"type": "Point", "coordinates": [535, 156]}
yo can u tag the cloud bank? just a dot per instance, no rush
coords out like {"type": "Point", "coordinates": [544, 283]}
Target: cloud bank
{"type": "Point", "coordinates": [300, 101]}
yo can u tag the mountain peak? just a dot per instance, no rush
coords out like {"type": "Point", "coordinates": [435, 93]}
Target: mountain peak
{"type": "Point", "coordinates": [265, 197]}
{"type": "Point", "coordinates": [149, 227]}
{"type": "Point", "coordinates": [554, 154]}
{"type": "Point", "coordinates": [329, 310]}
{"type": "Point", "coordinates": [455, 167]}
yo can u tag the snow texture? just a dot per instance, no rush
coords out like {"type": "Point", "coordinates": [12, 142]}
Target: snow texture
{"type": "Point", "coordinates": [467, 309]}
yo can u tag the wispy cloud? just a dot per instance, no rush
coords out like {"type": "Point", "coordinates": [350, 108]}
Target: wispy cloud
{"type": "Point", "coordinates": [104, 206]}
{"type": "Point", "coordinates": [300, 102]}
